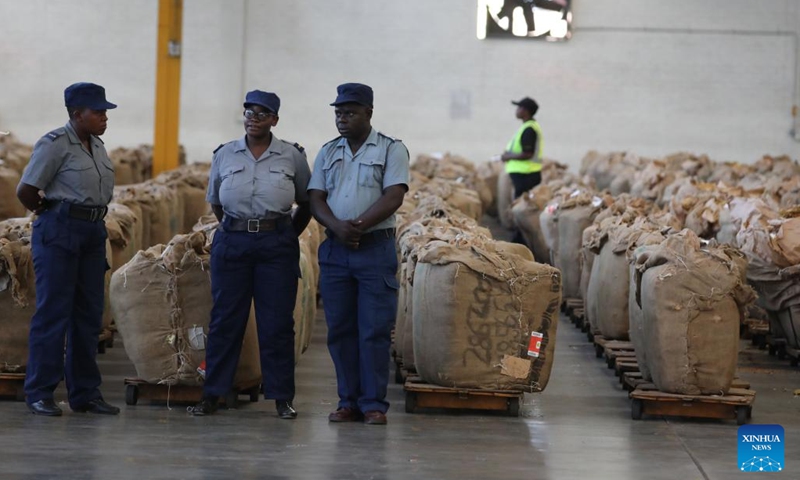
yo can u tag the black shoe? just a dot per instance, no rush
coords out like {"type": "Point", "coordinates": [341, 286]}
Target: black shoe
{"type": "Point", "coordinates": [285, 409]}
{"type": "Point", "coordinates": [207, 406]}
{"type": "Point", "coordinates": [47, 408]}
{"type": "Point", "coordinates": [99, 406]}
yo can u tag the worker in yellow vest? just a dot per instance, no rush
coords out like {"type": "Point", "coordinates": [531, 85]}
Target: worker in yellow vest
{"type": "Point", "coordinates": [523, 155]}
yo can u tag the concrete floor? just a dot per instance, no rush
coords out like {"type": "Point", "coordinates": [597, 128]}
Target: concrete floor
{"type": "Point", "coordinates": [580, 427]}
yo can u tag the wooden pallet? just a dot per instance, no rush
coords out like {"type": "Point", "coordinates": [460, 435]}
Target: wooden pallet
{"type": "Point", "coordinates": [736, 404]}
{"type": "Point", "coordinates": [577, 315]}
{"type": "Point", "coordinates": [12, 386]}
{"type": "Point", "coordinates": [623, 365]}
{"type": "Point", "coordinates": [136, 388]}
{"type": "Point", "coordinates": [570, 304]}
{"type": "Point", "coordinates": [421, 395]}
{"type": "Point", "coordinates": [401, 372]}
{"type": "Point", "coordinates": [633, 379]}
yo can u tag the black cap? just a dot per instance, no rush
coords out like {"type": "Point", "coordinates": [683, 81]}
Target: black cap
{"type": "Point", "coordinates": [528, 104]}
{"type": "Point", "coordinates": [268, 100]}
{"type": "Point", "coordinates": [88, 95]}
{"type": "Point", "coordinates": [353, 93]}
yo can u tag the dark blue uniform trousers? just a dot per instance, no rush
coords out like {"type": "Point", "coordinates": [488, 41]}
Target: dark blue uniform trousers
{"type": "Point", "coordinates": [359, 295]}
{"type": "Point", "coordinates": [253, 267]}
{"type": "Point", "coordinates": [69, 259]}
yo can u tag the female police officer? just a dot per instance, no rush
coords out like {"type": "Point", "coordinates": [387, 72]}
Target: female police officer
{"type": "Point", "coordinates": [71, 168]}
{"type": "Point", "coordinates": [255, 254]}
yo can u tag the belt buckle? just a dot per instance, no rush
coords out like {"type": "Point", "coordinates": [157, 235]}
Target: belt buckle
{"type": "Point", "coordinates": [94, 215]}
{"type": "Point", "coordinates": [250, 223]}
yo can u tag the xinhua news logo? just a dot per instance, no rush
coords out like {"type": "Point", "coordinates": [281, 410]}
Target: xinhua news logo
{"type": "Point", "coordinates": [761, 448]}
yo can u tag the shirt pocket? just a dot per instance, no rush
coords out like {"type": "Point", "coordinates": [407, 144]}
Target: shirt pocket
{"type": "Point", "coordinates": [281, 176]}
{"type": "Point", "coordinates": [332, 170]}
{"type": "Point", "coordinates": [370, 172]}
{"type": "Point", "coordinates": [81, 176]}
{"type": "Point", "coordinates": [232, 177]}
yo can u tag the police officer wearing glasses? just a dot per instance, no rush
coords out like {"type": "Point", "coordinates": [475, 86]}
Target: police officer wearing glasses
{"type": "Point", "coordinates": [255, 254]}
{"type": "Point", "coordinates": [359, 181]}
{"type": "Point", "coordinates": [68, 184]}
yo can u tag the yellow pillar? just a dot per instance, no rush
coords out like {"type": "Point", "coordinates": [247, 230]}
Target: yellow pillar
{"type": "Point", "coordinates": [168, 85]}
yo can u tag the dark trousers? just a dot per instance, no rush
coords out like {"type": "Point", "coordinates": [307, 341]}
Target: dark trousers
{"type": "Point", "coordinates": [522, 183]}
{"type": "Point", "coordinates": [359, 295]}
{"type": "Point", "coordinates": [69, 259]}
{"type": "Point", "coordinates": [253, 267]}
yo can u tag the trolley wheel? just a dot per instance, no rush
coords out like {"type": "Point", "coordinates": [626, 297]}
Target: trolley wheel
{"type": "Point", "coordinates": [598, 351]}
{"type": "Point", "coordinates": [131, 394]}
{"type": "Point", "coordinates": [636, 409]}
{"type": "Point", "coordinates": [609, 362]}
{"type": "Point", "coordinates": [589, 335]}
{"type": "Point", "coordinates": [411, 402]}
{"type": "Point", "coordinates": [232, 399]}
{"type": "Point", "coordinates": [254, 394]}
{"type": "Point", "coordinates": [513, 407]}
{"type": "Point", "coordinates": [741, 415]}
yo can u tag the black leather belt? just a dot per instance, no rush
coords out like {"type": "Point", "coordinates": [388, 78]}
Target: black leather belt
{"type": "Point", "coordinates": [81, 212]}
{"type": "Point", "coordinates": [254, 225]}
{"type": "Point", "coordinates": [370, 237]}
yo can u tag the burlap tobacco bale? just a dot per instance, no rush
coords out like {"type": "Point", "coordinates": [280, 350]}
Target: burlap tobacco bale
{"type": "Point", "coordinates": [10, 206]}
{"type": "Point", "coordinates": [777, 288]}
{"type": "Point", "coordinates": [693, 300]}
{"type": "Point", "coordinates": [699, 167]}
{"type": "Point", "coordinates": [526, 212]}
{"type": "Point", "coordinates": [190, 182]}
{"type": "Point", "coordinates": [651, 182]}
{"type": "Point", "coordinates": [412, 240]}
{"type": "Point", "coordinates": [553, 170]}
{"type": "Point", "coordinates": [603, 168]}
{"type": "Point", "coordinates": [14, 229]}
{"type": "Point", "coordinates": [131, 165]}
{"type": "Point", "coordinates": [489, 172]}
{"type": "Point", "coordinates": [782, 167]}
{"type": "Point", "coordinates": [789, 192]}
{"type": "Point", "coordinates": [430, 208]}
{"type": "Point", "coordinates": [789, 321]}
{"type": "Point", "coordinates": [635, 312]}
{"type": "Point", "coordinates": [587, 264]}
{"type": "Point", "coordinates": [123, 228]}
{"type": "Point", "coordinates": [305, 307]}
{"type": "Point", "coordinates": [456, 195]}
{"type": "Point", "coordinates": [729, 173]}
{"type": "Point", "coordinates": [608, 292]}
{"type": "Point", "coordinates": [162, 210]}
{"type": "Point", "coordinates": [161, 301]}
{"type": "Point", "coordinates": [505, 195]}
{"type": "Point", "coordinates": [14, 153]}
{"type": "Point", "coordinates": [17, 302]}
{"type": "Point", "coordinates": [704, 218]}
{"type": "Point", "coordinates": [742, 211]}
{"type": "Point", "coordinates": [473, 308]}
{"type": "Point", "coordinates": [772, 241]}
{"type": "Point", "coordinates": [575, 213]}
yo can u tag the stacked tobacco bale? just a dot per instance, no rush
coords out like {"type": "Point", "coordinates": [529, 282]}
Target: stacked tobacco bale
{"type": "Point", "coordinates": [17, 294]}
{"type": "Point", "coordinates": [468, 304]}
{"type": "Point", "coordinates": [13, 158]}
{"type": "Point", "coordinates": [135, 165]}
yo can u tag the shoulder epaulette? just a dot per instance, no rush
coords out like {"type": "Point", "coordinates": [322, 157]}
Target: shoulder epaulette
{"type": "Point", "coordinates": [217, 149]}
{"type": "Point", "coordinates": [392, 139]}
{"type": "Point", "coordinates": [299, 147]}
{"type": "Point", "coordinates": [332, 141]}
{"type": "Point", "coordinates": [55, 134]}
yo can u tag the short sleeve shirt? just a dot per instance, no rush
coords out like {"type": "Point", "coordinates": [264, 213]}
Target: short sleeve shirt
{"type": "Point", "coordinates": [354, 182]}
{"type": "Point", "coordinates": [266, 187]}
{"type": "Point", "coordinates": [62, 167]}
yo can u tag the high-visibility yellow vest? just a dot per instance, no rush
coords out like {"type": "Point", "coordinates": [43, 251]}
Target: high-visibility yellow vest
{"type": "Point", "coordinates": [515, 146]}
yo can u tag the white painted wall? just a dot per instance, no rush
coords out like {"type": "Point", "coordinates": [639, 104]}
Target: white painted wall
{"type": "Point", "coordinates": [717, 76]}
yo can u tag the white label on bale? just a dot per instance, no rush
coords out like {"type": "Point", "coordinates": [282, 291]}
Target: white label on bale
{"type": "Point", "coordinates": [596, 201]}
{"type": "Point", "coordinates": [197, 339]}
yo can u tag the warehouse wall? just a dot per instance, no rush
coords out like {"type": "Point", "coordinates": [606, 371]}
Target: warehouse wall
{"type": "Point", "coordinates": [717, 77]}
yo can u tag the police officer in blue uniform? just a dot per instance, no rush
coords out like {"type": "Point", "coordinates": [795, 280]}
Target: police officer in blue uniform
{"type": "Point", "coordinates": [359, 182]}
{"type": "Point", "coordinates": [255, 254]}
{"type": "Point", "coordinates": [68, 184]}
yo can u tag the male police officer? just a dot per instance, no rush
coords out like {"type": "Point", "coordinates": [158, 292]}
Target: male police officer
{"type": "Point", "coordinates": [523, 155]}
{"type": "Point", "coordinates": [255, 254]}
{"type": "Point", "coordinates": [71, 168]}
{"type": "Point", "coordinates": [358, 183]}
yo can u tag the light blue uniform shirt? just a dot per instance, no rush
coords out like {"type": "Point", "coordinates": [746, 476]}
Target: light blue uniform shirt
{"type": "Point", "coordinates": [264, 187]}
{"type": "Point", "coordinates": [355, 182]}
{"type": "Point", "coordinates": [62, 167]}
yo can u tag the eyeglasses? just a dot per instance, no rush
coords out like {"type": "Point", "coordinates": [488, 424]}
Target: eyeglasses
{"type": "Point", "coordinates": [260, 116]}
